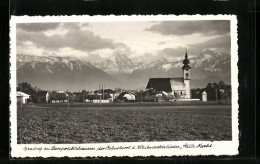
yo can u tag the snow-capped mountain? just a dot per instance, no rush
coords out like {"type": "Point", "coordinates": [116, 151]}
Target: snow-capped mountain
{"type": "Point", "coordinates": [207, 61]}
{"type": "Point", "coordinates": [69, 62]}
{"type": "Point", "coordinates": [209, 66]}
{"type": "Point", "coordinates": [210, 61]}
{"type": "Point", "coordinates": [119, 63]}
{"type": "Point", "coordinates": [60, 73]}
{"type": "Point", "coordinates": [206, 67]}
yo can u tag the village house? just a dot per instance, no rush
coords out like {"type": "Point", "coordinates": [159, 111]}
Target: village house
{"type": "Point", "coordinates": [126, 96]}
{"type": "Point", "coordinates": [39, 96]}
{"type": "Point", "coordinates": [32, 93]}
{"type": "Point", "coordinates": [58, 97]}
{"type": "Point", "coordinates": [22, 97]}
{"type": "Point", "coordinates": [98, 98]}
{"type": "Point", "coordinates": [177, 87]}
{"type": "Point", "coordinates": [151, 95]}
{"type": "Point", "coordinates": [115, 95]}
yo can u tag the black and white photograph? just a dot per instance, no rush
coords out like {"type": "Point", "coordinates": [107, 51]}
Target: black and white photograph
{"type": "Point", "coordinates": [124, 85]}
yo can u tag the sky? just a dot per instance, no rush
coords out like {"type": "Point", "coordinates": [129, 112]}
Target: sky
{"type": "Point", "coordinates": [144, 41]}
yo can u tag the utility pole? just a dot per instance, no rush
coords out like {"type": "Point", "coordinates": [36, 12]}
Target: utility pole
{"type": "Point", "coordinates": [83, 96]}
{"type": "Point", "coordinates": [216, 94]}
{"type": "Point", "coordinates": [103, 91]}
{"type": "Point", "coordinates": [21, 101]}
{"type": "Point", "coordinates": [141, 96]}
{"type": "Point", "coordinates": [99, 94]}
{"type": "Point", "coordinates": [68, 101]}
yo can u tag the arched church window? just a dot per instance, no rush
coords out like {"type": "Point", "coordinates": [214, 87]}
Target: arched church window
{"type": "Point", "coordinates": [187, 74]}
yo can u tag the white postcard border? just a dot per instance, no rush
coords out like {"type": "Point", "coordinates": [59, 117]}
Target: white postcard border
{"type": "Point", "coordinates": [130, 149]}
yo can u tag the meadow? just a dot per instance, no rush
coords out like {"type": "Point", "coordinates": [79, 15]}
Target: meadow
{"type": "Point", "coordinates": [88, 123]}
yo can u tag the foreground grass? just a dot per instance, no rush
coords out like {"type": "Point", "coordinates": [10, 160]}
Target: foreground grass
{"type": "Point", "coordinates": [39, 124]}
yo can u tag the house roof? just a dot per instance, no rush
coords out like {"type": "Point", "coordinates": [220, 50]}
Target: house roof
{"type": "Point", "coordinates": [68, 93]}
{"type": "Point", "coordinates": [30, 92]}
{"type": "Point", "coordinates": [164, 84]}
{"type": "Point", "coordinates": [62, 92]}
{"type": "Point", "coordinates": [104, 90]}
{"type": "Point", "coordinates": [19, 93]}
{"type": "Point", "coordinates": [78, 93]}
{"type": "Point", "coordinates": [123, 94]}
{"type": "Point", "coordinates": [96, 96]}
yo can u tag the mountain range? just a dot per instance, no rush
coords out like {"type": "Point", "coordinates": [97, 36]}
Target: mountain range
{"type": "Point", "coordinates": [63, 73]}
{"type": "Point", "coordinates": [119, 71]}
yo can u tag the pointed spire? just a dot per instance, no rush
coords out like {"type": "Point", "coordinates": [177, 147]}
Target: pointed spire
{"type": "Point", "coordinates": [186, 62]}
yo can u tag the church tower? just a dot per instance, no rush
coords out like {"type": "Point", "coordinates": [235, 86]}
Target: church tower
{"type": "Point", "coordinates": [186, 76]}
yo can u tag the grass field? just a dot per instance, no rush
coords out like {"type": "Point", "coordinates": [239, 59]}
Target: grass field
{"type": "Point", "coordinates": [81, 123]}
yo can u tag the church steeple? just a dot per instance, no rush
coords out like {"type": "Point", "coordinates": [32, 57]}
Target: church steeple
{"type": "Point", "coordinates": [186, 67]}
{"type": "Point", "coordinates": [187, 76]}
{"type": "Point", "coordinates": [186, 62]}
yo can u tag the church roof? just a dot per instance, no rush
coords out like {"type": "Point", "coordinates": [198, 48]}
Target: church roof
{"type": "Point", "coordinates": [159, 84]}
{"type": "Point", "coordinates": [164, 84]}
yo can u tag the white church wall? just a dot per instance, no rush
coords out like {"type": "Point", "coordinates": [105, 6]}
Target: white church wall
{"type": "Point", "coordinates": [187, 88]}
{"type": "Point", "coordinates": [177, 85]}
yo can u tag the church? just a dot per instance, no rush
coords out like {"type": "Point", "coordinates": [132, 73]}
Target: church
{"type": "Point", "coordinates": [178, 87]}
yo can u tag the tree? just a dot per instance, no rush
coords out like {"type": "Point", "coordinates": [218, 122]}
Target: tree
{"type": "Point", "coordinates": [223, 91]}
{"type": "Point", "coordinates": [196, 93]}
{"type": "Point", "coordinates": [215, 85]}
{"type": "Point", "coordinates": [58, 96]}
{"type": "Point", "coordinates": [53, 95]}
{"type": "Point", "coordinates": [117, 89]}
{"type": "Point", "coordinates": [62, 96]}
{"type": "Point", "coordinates": [23, 87]}
{"type": "Point", "coordinates": [209, 85]}
{"type": "Point", "coordinates": [221, 84]}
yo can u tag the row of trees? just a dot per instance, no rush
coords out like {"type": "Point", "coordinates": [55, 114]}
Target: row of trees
{"type": "Point", "coordinates": [26, 87]}
{"type": "Point", "coordinates": [215, 91]}
{"type": "Point", "coordinates": [57, 96]}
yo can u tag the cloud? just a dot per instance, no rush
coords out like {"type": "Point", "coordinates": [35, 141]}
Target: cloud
{"type": "Point", "coordinates": [145, 58]}
{"type": "Point", "coordinates": [172, 52]}
{"type": "Point", "coordinates": [76, 39]}
{"type": "Point", "coordinates": [161, 43]}
{"type": "Point", "coordinates": [71, 26]}
{"type": "Point", "coordinates": [37, 27]}
{"type": "Point", "coordinates": [180, 28]}
{"type": "Point", "coordinates": [43, 27]}
{"type": "Point", "coordinates": [220, 44]}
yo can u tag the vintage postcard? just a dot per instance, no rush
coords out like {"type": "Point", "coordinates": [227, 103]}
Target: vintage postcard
{"type": "Point", "coordinates": [103, 86]}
